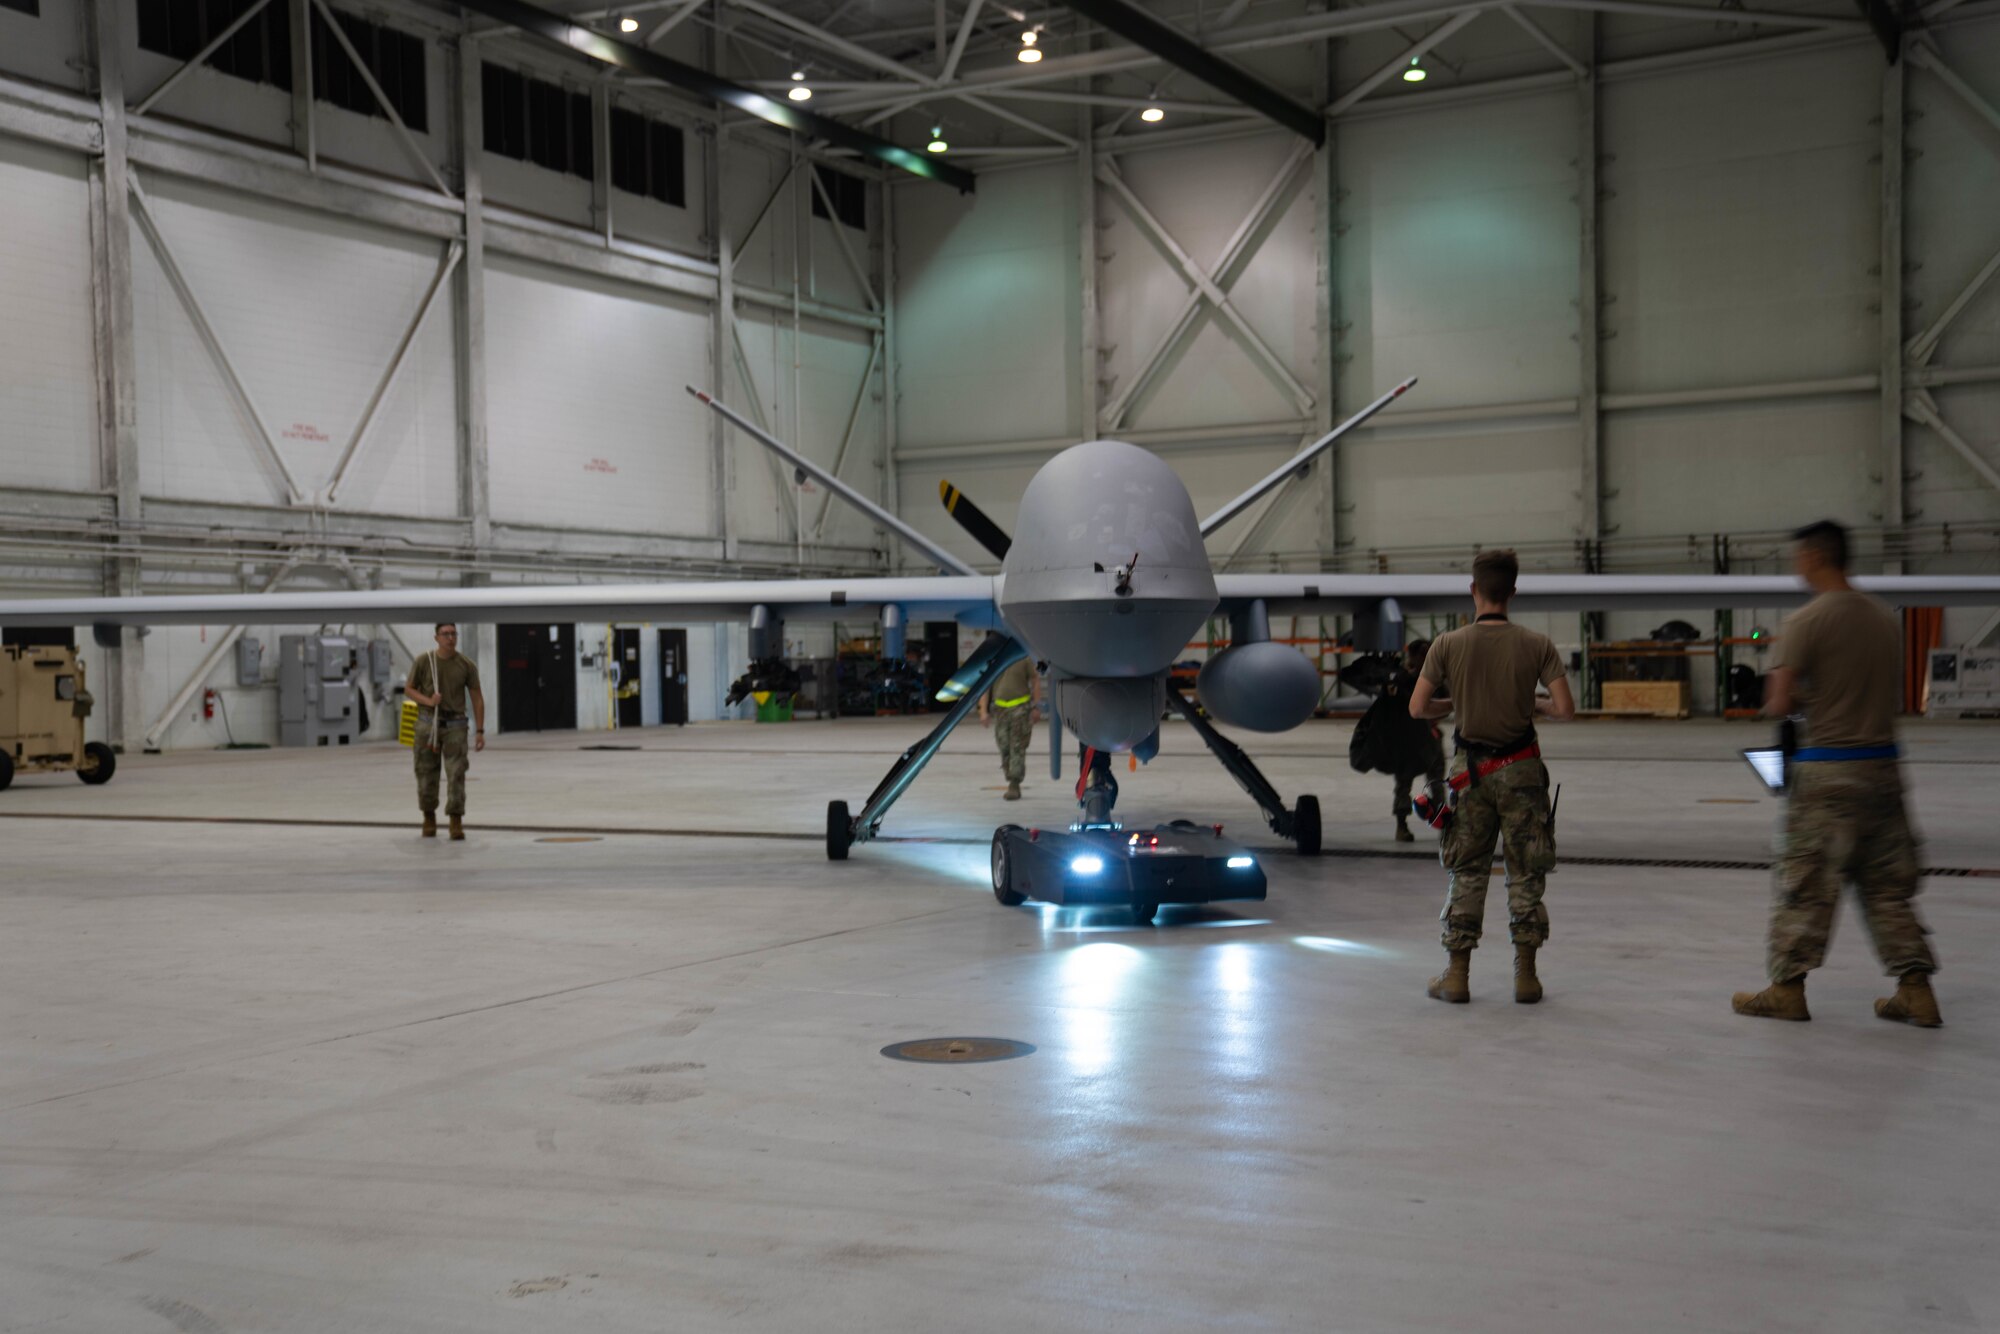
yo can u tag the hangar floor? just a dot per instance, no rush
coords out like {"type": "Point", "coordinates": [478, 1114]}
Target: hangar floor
{"type": "Point", "coordinates": [270, 1062]}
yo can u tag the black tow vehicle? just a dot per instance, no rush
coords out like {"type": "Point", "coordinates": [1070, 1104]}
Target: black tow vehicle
{"type": "Point", "coordinates": [1104, 864]}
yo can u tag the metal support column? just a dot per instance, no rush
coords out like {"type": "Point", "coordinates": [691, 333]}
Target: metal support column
{"type": "Point", "coordinates": [117, 365]}
{"type": "Point", "coordinates": [1090, 360]}
{"type": "Point", "coordinates": [475, 493]}
{"type": "Point", "coordinates": [1326, 315]}
{"type": "Point", "coordinates": [1890, 410]}
{"type": "Point", "coordinates": [892, 487]}
{"type": "Point", "coordinates": [723, 345]}
{"type": "Point", "coordinates": [600, 175]}
{"type": "Point", "coordinates": [305, 130]}
{"type": "Point", "coordinates": [1590, 487]}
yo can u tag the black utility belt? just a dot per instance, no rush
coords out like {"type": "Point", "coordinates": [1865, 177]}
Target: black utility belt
{"type": "Point", "coordinates": [448, 722]}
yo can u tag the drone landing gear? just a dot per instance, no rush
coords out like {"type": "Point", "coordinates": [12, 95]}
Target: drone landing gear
{"type": "Point", "coordinates": [1300, 824]}
{"type": "Point", "coordinates": [844, 831]}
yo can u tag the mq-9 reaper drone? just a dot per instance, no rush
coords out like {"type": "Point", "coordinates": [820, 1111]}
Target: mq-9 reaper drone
{"type": "Point", "coordinates": [1106, 582]}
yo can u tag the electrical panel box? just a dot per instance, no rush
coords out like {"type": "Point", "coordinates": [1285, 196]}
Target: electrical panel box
{"type": "Point", "coordinates": [1964, 681]}
{"type": "Point", "coordinates": [249, 661]}
{"type": "Point", "coordinates": [318, 690]}
{"type": "Point", "coordinates": [381, 665]}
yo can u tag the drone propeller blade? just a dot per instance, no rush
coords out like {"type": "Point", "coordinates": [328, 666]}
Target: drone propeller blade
{"type": "Point", "coordinates": [974, 520]}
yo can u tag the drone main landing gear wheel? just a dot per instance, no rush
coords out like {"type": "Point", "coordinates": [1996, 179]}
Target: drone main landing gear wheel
{"type": "Point", "coordinates": [1305, 826]}
{"type": "Point", "coordinates": [839, 831]}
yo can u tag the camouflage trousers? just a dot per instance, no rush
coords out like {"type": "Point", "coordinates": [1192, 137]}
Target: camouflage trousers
{"type": "Point", "coordinates": [1845, 820]}
{"type": "Point", "coordinates": [1509, 807]}
{"type": "Point", "coordinates": [450, 757]}
{"type": "Point", "coordinates": [1012, 730]}
{"type": "Point", "coordinates": [1433, 776]}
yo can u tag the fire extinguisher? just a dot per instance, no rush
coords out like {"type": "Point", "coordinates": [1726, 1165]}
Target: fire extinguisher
{"type": "Point", "coordinates": [207, 704]}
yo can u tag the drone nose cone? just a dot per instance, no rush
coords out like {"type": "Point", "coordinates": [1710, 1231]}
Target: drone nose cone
{"type": "Point", "coordinates": [1108, 575]}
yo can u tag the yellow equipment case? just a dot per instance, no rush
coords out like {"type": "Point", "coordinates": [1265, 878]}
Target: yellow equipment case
{"type": "Point", "coordinates": [42, 707]}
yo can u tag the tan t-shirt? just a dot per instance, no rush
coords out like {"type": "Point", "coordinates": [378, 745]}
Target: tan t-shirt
{"type": "Point", "coordinates": [1017, 682]}
{"type": "Point", "coordinates": [460, 676]}
{"type": "Point", "coordinates": [1490, 670]}
{"type": "Point", "coordinates": [1846, 650]}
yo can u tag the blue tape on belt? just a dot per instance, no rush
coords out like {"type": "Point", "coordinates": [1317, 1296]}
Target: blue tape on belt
{"type": "Point", "coordinates": [1814, 754]}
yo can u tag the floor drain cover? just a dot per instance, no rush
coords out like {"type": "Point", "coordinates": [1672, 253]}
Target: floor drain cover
{"type": "Point", "coordinates": [571, 838]}
{"type": "Point", "coordinates": [957, 1051]}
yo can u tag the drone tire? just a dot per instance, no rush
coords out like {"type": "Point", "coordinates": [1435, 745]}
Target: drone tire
{"type": "Point", "coordinates": [839, 831]}
{"type": "Point", "coordinates": [1305, 826]}
{"type": "Point", "coordinates": [1003, 868]}
{"type": "Point", "coordinates": [6, 770]}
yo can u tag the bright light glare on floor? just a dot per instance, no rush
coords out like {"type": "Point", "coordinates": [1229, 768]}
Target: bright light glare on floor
{"type": "Point", "coordinates": [1333, 945]}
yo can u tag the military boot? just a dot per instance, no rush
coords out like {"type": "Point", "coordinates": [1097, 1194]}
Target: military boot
{"type": "Point", "coordinates": [430, 824]}
{"type": "Point", "coordinates": [1914, 1002]}
{"type": "Point", "coordinates": [1403, 834]}
{"type": "Point", "coordinates": [1454, 984]}
{"type": "Point", "coordinates": [1013, 792]}
{"type": "Point", "coordinates": [458, 829]}
{"type": "Point", "coordinates": [1527, 987]}
{"type": "Point", "coordinates": [1780, 1000]}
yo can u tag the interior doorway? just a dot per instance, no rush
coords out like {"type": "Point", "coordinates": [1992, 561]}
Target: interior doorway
{"type": "Point", "coordinates": [537, 677]}
{"type": "Point", "coordinates": [673, 678]}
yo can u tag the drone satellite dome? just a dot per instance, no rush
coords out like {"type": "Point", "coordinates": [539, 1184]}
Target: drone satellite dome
{"type": "Point", "coordinates": [1107, 536]}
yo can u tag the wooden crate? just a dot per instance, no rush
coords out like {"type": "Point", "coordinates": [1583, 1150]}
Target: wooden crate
{"type": "Point", "coordinates": [1657, 699]}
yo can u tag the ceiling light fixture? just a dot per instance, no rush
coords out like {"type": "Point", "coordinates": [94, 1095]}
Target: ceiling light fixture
{"type": "Point", "coordinates": [937, 143]}
{"type": "Point", "coordinates": [1029, 52]}
{"type": "Point", "coordinates": [798, 76]}
{"type": "Point", "coordinates": [800, 93]}
{"type": "Point", "coordinates": [628, 24]}
{"type": "Point", "coordinates": [1153, 114]}
{"type": "Point", "coordinates": [1416, 72]}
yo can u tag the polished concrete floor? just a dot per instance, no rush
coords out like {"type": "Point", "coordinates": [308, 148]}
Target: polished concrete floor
{"type": "Point", "coordinates": [270, 1062]}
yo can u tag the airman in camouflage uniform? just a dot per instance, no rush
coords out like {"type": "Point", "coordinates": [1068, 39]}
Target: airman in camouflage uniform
{"type": "Point", "coordinates": [1009, 708]}
{"type": "Point", "coordinates": [1839, 661]}
{"type": "Point", "coordinates": [445, 685]}
{"type": "Point", "coordinates": [1491, 669]}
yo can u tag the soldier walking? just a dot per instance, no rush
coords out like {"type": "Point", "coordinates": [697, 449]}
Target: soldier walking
{"type": "Point", "coordinates": [445, 685]}
{"type": "Point", "coordinates": [1016, 700]}
{"type": "Point", "coordinates": [1490, 670]}
{"type": "Point", "coordinates": [1839, 662]}
{"type": "Point", "coordinates": [1420, 753]}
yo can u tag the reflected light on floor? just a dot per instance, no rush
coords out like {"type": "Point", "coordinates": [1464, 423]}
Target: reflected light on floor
{"type": "Point", "coordinates": [1237, 1019]}
{"type": "Point", "coordinates": [1094, 982]}
{"type": "Point", "coordinates": [1333, 945]}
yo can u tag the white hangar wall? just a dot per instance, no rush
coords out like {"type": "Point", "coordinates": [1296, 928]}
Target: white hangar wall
{"type": "Point", "coordinates": [575, 330]}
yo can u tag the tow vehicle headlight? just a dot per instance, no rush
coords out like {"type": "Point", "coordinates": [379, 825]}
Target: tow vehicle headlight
{"type": "Point", "coordinates": [1241, 863]}
{"type": "Point", "coordinates": [1088, 864]}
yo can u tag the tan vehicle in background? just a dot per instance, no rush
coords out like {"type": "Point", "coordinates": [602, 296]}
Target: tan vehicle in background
{"type": "Point", "coordinates": [42, 707]}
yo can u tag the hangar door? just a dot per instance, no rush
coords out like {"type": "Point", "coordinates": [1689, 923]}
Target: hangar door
{"type": "Point", "coordinates": [537, 677]}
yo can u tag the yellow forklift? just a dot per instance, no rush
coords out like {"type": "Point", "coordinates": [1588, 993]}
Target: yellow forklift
{"type": "Point", "coordinates": [42, 707]}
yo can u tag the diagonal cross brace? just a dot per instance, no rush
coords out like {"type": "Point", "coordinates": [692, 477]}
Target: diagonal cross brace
{"type": "Point", "coordinates": [1210, 286]}
{"type": "Point", "coordinates": [178, 280]}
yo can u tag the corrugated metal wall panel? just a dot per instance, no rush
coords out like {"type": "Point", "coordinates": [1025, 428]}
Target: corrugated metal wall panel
{"type": "Point", "coordinates": [48, 400]}
{"type": "Point", "coordinates": [590, 422]}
